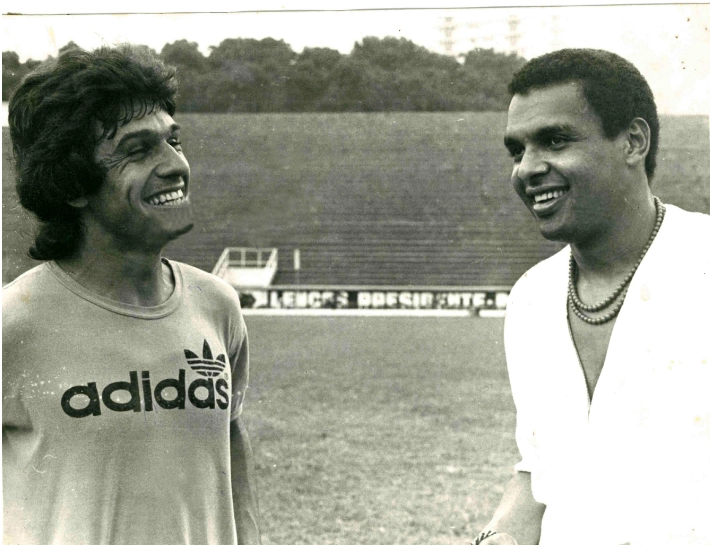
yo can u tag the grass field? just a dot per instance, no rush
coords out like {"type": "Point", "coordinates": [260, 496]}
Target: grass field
{"type": "Point", "coordinates": [378, 431]}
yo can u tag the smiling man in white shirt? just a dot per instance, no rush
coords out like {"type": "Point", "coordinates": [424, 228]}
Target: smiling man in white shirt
{"type": "Point", "coordinates": [606, 341]}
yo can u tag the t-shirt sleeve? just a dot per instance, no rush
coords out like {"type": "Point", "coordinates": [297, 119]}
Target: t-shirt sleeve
{"type": "Point", "coordinates": [239, 360]}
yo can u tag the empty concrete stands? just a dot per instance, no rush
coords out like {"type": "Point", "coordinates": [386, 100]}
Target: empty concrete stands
{"type": "Point", "coordinates": [371, 199]}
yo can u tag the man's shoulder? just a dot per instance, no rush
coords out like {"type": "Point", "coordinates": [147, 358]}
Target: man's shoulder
{"type": "Point", "coordinates": [679, 260]}
{"type": "Point", "coordinates": [197, 281]}
{"type": "Point", "coordinates": [687, 226]}
{"type": "Point", "coordinates": [687, 219]}
{"type": "Point", "coordinates": [685, 239]}
{"type": "Point", "coordinates": [30, 286]}
{"type": "Point", "coordinates": [30, 298]}
{"type": "Point", "coordinates": [23, 279]}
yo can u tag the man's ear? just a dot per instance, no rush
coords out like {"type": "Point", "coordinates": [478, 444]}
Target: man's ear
{"type": "Point", "coordinates": [81, 202]}
{"type": "Point", "coordinates": [638, 142]}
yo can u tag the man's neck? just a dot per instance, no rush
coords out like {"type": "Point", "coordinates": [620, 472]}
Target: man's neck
{"type": "Point", "coordinates": [609, 256]}
{"type": "Point", "coordinates": [134, 277]}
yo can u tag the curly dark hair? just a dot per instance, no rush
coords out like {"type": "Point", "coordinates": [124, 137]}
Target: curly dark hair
{"type": "Point", "coordinates": [59, 113]}
{"type": "Point", "coordinates": [612, 86]}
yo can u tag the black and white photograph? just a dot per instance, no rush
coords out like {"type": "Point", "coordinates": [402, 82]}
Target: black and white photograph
{"type": "Point", "coordinates": [379, 274]}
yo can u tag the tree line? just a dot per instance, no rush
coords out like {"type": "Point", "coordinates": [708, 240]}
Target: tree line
{"type": "Point", "coordinates": [380, 74]}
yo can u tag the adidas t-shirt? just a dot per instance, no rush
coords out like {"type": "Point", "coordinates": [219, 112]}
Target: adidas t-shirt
{"type": "Point", "coordinates": [116, 417]}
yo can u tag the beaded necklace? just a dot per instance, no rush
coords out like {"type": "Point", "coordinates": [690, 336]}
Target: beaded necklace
{"type": "Point", "coordinates": [616, 299]}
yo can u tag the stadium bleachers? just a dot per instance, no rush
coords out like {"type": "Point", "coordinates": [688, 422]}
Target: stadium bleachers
{"type": "Point", "coordinates": [370, 199]}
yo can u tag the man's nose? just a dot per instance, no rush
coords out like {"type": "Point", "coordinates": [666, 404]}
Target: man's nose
{"type": "Point", "coordinates": [172, 163]}
{"type": "Point", "coordinates": [531, 166]}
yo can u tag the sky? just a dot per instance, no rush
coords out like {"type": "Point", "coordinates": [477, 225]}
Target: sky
{"type": "Point", "coordinates": [669, 43]}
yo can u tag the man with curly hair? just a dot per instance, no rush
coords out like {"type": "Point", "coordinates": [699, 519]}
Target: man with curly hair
{"type": "Point", "coordinates": [124, 373]}
{"type": "Point", "coordinates": [606, 341]}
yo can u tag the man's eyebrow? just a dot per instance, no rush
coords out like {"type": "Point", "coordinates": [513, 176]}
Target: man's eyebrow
{"type": "Point", "coordinates": [550, 130]}
{"type": "Point", "coordinates": [541, 134]}
{"type": "Point", "coordinates": [143, 133]}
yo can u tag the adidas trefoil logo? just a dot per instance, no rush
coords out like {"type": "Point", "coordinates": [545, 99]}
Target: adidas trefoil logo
{"type": "Point", "coordinates": [206, 366]}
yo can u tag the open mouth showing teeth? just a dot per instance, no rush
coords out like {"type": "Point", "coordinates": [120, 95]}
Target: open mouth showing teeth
{"type": "Point", "coordinates": [172, 198]}
{"type": "Point", "coordinates": [550, 195]}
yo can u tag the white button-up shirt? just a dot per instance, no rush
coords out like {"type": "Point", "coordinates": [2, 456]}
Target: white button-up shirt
{"type": "Point", "coordinates": [632, 465]}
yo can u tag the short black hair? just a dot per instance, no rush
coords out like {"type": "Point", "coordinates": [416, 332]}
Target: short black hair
{"type": "Point", "coordinates": [612, 86]}
{"type": "Point", "coordinates": [53, 117]}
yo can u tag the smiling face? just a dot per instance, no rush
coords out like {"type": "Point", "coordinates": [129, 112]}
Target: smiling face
{"type": "Point", "coordinates": [566, 171]}
{"type": "Point", "coordinates": [144, 201]}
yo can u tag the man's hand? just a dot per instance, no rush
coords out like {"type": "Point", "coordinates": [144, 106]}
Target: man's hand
{"type": "Point", "coordinates": [507, 539]}
{"type": "Point", "coordinates": [517, 515]}
{"type": "Point", "coordinates": [499, 539]}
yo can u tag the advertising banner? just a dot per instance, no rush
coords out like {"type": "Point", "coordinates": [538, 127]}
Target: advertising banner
{"type": "Point", "coordinates": [373, 298]}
